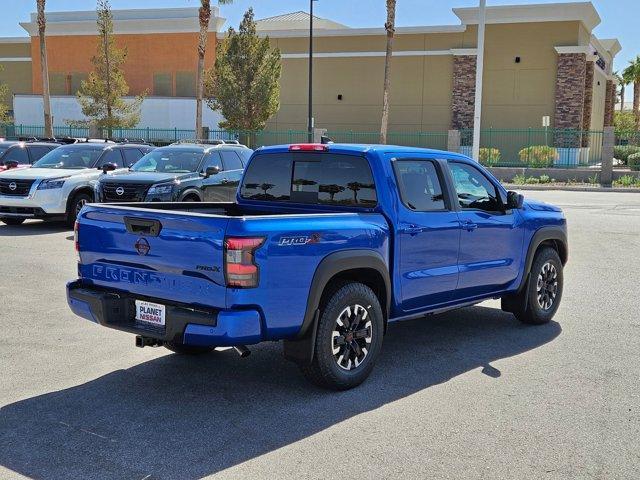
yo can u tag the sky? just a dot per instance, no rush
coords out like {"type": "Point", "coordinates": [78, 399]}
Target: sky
{"type": "Point", "coordinates": [619, 17]}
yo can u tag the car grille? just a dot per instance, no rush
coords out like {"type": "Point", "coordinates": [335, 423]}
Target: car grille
{"type": "Point", "coordinates": [131, 192]}
{"type": "Point", "coordinates": [15, 188]}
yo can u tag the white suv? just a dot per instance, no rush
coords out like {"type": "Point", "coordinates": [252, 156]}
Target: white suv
{"type": "Point", "coordinates": [61, 182]}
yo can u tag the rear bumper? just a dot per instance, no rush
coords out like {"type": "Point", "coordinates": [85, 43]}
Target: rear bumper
{"type": "Point", "coordinates": [184, 324]}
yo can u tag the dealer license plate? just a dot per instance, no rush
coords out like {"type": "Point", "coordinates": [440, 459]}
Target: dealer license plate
{"type": "Point", "coordinates": [152, 313]}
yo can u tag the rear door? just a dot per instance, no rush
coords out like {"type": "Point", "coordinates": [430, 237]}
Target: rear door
{"type": "Point", "coordinates": [491, 237]}
{"type": "Point", "coordinates": [233, 169]}
{"type": "Point", "coordinates": [154, 254]}
{"type": "Point", "coordinates": [428, 234]}
{"type": "Point", "coordinates": [214, 187]}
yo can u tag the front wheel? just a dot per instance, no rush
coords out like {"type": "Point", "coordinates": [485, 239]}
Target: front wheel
{"type": "Point", "coordinates": [76, 204]}
{"type": "Point", "coordinates": [539, 302]}
{"type": "Point", "coordinates": [349, 338]}
{"type": "Point", "coordinates": [12, 221]}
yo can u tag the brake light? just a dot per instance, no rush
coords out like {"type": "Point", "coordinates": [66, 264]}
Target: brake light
{"type": "Point", "coordinates": [240, 268]}
{"type": "Point", "coordinates": [308, 147]}
{"type": "Point", "coordinates": [76, 242]}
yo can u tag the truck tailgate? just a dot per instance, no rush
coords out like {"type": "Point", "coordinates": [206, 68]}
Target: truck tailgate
{"type": "Point", "coordinates": [154, 254]}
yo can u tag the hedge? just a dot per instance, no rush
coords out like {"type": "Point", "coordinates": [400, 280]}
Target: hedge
{"type": "Point", "coordinates": [539, 156]}
{"type": "Point", "coordinates": [634, 161]}
{"type": "Point", "coordinates": [622, 152]}
{"type": "Point", "coordinates": [490, 157]}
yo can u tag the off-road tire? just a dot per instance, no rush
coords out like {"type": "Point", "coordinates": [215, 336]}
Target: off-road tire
{"type": "Point", "coordinates": [324, 370]}
{"type": "Point", "coordinates": [546, 259]}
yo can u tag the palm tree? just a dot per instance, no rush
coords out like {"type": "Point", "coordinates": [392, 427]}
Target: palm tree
{"type": "Point", "coordinates": [631, 74]}
{"type": "Point", "coordinates": [623, 87]}
{"type": "Point", "coordinates": [390, 27]}
{"type": "Point", "coordinates": [204, 15]}
{"type": "Point", "coordinates": [46, 99]}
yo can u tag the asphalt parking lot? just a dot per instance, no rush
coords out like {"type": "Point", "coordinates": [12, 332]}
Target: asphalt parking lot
{"type": "Point", "coordinates": [469, 394]}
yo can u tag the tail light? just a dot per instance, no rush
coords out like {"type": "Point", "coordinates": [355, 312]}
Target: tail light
{"type": "Point", "coordinates": [76, 242]}
{"type": "Point", "coordinates": [308, 147]}
{"type": "Point", "coordinates": [240, 268]}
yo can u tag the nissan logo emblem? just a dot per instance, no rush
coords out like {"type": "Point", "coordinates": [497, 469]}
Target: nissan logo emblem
{"type": "Point", "coordinates": [120, 191]}
{"type": "Point", "coordinates": [13, 186]}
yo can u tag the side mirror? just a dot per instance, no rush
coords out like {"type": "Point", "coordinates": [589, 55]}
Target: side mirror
{"type": "Point", "coordinates": [11, 164]}
{"type": "Point", "coordinates": [515, 201]}
{"type": "Point", "coordinates": [109, 167]}
{"type": "Point", "coordinates": [211, 171]}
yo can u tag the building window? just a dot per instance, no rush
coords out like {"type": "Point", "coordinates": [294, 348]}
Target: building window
{"type": "Point", "coordinates": [185, 84]}
{"type": "Point", "coordinates": [162, 85]}
{"type": "Point", "coordinates": [57, 84]}
{"type": "Point", "coordinates": [75, 82]}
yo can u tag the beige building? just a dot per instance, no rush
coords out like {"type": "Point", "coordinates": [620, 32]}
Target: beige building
{"type": "Point", "coordinates": [540, 60]}
{"type": "Point", "coordinates": [15, 66]}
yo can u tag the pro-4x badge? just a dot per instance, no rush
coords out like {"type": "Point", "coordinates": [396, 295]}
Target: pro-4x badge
{"type": "Point", "coordinates": [299, 240]}
{"type": "Point", "coordinates": [142, 246]}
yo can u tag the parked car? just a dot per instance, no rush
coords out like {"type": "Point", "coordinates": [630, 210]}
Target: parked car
{"type": "Point", "coordinates": [60, 183]}
{"type": "Point", "coordinates": [23, 154]}
{"type": "Point", "coordinates": [325, 246]}
{"type": "Point", "coordinates": [184, 173]}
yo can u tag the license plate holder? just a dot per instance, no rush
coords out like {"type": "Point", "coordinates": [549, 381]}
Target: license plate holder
{"type": "Point", "coordinates": [151, 313]}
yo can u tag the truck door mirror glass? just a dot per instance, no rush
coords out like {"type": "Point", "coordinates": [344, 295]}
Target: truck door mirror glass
{"type": "Point", "coordinates": [109, 167]}
{"type": "Point", "coordinates": [514, 200]}
{"type": "Point", "coordinates": [211, 171]}
{"type": "Point", "coordinates": [11, 164]}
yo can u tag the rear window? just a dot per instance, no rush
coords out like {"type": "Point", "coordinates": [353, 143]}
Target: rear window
{"type": "Point", "coordinates": [321, 178]}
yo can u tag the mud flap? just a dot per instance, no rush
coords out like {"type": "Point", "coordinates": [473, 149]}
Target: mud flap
{"type": "Point", "coordinates": [301, 350]}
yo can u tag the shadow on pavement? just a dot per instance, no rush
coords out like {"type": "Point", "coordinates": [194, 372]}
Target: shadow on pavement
{"type": "Point", "coordinates": [35, 227]}
{"type": "Point", "coordinates": [181, 417]}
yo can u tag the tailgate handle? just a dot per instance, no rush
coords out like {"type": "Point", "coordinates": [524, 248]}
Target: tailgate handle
{"type": "Point", "coordinates": [143, 226]}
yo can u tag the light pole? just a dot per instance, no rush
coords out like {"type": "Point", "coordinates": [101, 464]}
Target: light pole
{"type": "Point", "coordinates": [310, 119]}
{"type": "Point", "coordinates": [477, 114]}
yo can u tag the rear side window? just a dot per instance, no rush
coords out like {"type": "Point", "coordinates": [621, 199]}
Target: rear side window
{"type": "Point", "coordinates": [420, 185]}
{"type": "Point", "coordinates": [325, 179]}
{"type": "Point", "coordinates": [231, 160]}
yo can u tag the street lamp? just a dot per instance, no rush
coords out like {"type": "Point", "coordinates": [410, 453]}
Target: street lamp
{"type": "Point", "coordinates": [310, 119]}
{"type": "Point", "coordinates": [477, 115]}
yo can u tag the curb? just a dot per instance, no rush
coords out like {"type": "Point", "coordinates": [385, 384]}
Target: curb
{"type": "Point", "coordinates": [569, 188]}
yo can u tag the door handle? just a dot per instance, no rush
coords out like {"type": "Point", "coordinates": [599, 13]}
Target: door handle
{"type": "Point", "coordinates": [224, 181]}
{"type": "Point", "coordinates": [413, 230]}
{"type": "Point", "coordinates": [469, 226]}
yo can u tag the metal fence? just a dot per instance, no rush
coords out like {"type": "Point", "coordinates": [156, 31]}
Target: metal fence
{"type": "Point", "coordinates": [536, 148]}
{"type": "Point", "coordinates": [543, 148]}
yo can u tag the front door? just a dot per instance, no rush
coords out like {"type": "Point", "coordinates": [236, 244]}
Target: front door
{"type": "Point", "coordinates": [428, 235]}
{"type": "Point", "coordinates": [491, 237]}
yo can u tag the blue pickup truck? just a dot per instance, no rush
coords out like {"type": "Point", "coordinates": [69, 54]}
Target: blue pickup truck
{"type": "Point", "coordinates": [325, 245]}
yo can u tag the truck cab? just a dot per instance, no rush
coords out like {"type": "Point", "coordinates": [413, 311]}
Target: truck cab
{"type": "Point", "coordinates": [324, 246]}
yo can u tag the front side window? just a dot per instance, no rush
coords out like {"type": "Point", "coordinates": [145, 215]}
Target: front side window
{"type": "Point", "coordinates": [170, 161]}
{"type": "Point", "coordinates": [420, 185]}
{"type": "Point", "coordinates": [212, 160]}
{"type": "Point", "coordinates": [72, 157]}
{"type": "Point", "coordinates": [231, 160]}
{"type": "Point", "coordinates": [132, 155]}
{"type": "Point", "coordinates": [323, 178]}
{"type": "Point", "coordinates": [16, 154]}
{"type": "Point", "coordinates": [111, 156]}
{"type": "Point", "coordinates": [474, 190]}
{"type": "Point", "coordinates": [38, 152]}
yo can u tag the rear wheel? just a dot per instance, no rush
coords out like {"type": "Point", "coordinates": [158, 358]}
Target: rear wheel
{"type": "Point", "coordinates": [12, 221]}
{"type": "Point", "coordinates": [183, 349]}
{"type": "Point", "coordinates": [349, 338]}
{"type": "Point", "coordinates": [76, 204]}
{"type": "Point", "coordinates": [539, 302]}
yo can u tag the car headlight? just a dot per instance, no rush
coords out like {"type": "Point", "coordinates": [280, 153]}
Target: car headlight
{"type": "Point", "coordinates": [160, 189]}
{"type": "Point", "coordinates": [52, 183]}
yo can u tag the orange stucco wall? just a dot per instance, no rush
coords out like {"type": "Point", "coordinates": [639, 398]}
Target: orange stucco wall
{"type": "Point", "coordinates": [147, 54]}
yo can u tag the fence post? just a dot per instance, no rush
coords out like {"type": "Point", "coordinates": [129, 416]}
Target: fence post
{"type": "Point", "coordinates": [608, 142]}
{"type": "Point", "coordinates": [453, 141]}
{"type": "Point", "coordinates": [318, 133]}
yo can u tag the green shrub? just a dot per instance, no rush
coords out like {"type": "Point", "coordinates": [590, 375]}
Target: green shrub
{"type": "Point", "coordinates": [519, 180]}
{"type": "Point", "coordinates": [625, 181]}
{"type": "Point", "coordinates": [538, 156]}
{"type": "Point", "coordinates": [532, 181]}
{"type": "Point", "coordinates": [623, 152]}
{"type": "Point", "coordinates": [545, 179]}
{"type": "Point", "coordinates": [490, 157]}
{"type": "Point", "coordinates": [633, 161]}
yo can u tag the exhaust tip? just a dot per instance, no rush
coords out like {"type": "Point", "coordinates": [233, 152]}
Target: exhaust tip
{"type": "Point", "coordinates": [139, 341]}
{"type": "Point", "coordinates": [243, 351]}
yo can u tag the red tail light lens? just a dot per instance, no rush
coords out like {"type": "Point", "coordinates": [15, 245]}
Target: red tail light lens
{"type": "Point", "coordinates": [240, 268]}
{"type": "Point", "coordinates": [76, 227]}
